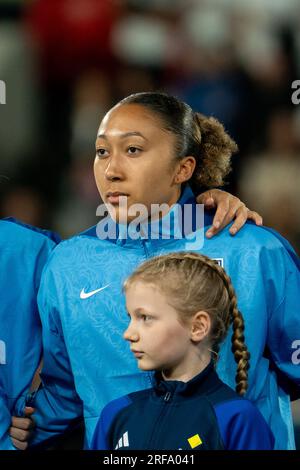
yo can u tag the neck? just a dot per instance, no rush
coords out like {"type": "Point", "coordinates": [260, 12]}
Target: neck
{"type": "Point", "coordinates": [187, 371]}
{"type": "Point", "coordinates": [167, 207]}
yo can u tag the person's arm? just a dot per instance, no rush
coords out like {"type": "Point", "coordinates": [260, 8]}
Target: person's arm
{"type": "Point", "coordinates": [57, 405]}
{"type": "Point", "coordinates": [242, 427]}
{"type": "Point", "coordinates": [56, 402]}
{"type": "Point", "coordinates": [228, 208]}
{"type": "Point", "coordinates": [283, 340]}
{"type": "Point", "coordinates": [104, 429]}
{"type": "Point", "coordinates": [28, 249]}
{"type": "Point", "coordinates": [100, 440]}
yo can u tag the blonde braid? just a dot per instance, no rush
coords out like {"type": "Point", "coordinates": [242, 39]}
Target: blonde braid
{"type": "Point", "coordinates": [239, 348]}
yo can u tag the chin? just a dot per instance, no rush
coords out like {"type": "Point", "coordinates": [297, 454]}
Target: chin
{"type": "Point", "coordinates": [146, 367]}
{"type": "Point", "coordinates": [118, 216]}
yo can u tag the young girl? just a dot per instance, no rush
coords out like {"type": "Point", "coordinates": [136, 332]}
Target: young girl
{"type": "Point", "coordinates": [180, 307]}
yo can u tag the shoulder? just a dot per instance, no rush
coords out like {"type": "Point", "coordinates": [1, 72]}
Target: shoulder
{"type": "Point", "coordinates": [237, 413]}
{"type": "Point", "coordinates": [228, 404]}
{"type": "Point", "coordinates": [113, 408]}
{"type": "Point", "coordinates": [123, 404]}
{"type": "Point", "coordinates": [80, 248]}
{"type": "Point", "coordinates": [15, 232]}
{"type": "Point", "coordinates": [125, 401]}
{"type": "Point", "coordinates": [252, 242]}
{"type": "Point", "coordinates": [242, 426]}
{"type": "Point", "coordinates": [234, 406]}
{"type": "Point", "coordinates": [262, 236]}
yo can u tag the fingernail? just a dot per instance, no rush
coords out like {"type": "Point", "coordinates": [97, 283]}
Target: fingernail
{"type": "Point", "coordinates": [233, 231]}
{"type": "Point", "coordinates": [209, 234]}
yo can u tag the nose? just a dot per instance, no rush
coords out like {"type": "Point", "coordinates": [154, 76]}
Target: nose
{"type": "Point", "coordinates": [114, 170]}
{"type": "Point", "coordinates": [130, 334]}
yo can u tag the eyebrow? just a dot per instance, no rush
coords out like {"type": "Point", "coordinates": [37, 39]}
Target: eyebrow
{"type": "Point", "coordinates": [123, 136]}
{"type": "Point", "coordinates": [142, 311]}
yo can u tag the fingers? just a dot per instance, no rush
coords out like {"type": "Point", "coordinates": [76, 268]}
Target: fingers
{"type": "Point", "coordinates": [242, 215]}
{"type": "Point", "coordinates": [207, 199]}
{"type": "Point", "coordinates": [241, 219]}
{"type": "Point", "coordinates": [220, 219]}
{"type": "Point", "coordinates": [252, 215]}
{"type": "Point", "coordinates": [21, 430]}
{"type": "Point", "coordinates": [28, 411]}
{"type": "Point", "coordinates": [22, 423]}
{"type": "Point", "coordinates": [229, 208]}
{"type": "Point", "coordinates": [19, 445]}
{"type": "Point", "coordinates": [19, 434]}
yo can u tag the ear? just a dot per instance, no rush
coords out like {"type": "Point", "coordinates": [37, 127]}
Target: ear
{"type": "Point", "coordinates": [200, 326]}
{"type": "Point", "coordinates": [184, 169]}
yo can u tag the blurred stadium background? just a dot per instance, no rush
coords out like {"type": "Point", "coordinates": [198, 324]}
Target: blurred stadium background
{"type": "Point", "coordinates": [66, 62]}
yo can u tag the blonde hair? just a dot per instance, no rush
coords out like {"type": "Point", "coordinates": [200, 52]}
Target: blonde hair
{"type": "Point", "coordinates": [192, 283]}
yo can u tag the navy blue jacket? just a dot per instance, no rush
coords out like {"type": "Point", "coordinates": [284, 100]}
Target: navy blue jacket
{"type": "Point", "coordinates": [202, 414]}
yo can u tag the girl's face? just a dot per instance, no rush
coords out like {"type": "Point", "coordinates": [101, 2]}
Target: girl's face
{"type": "Point", "coordinates": [157, 338]}
{"type": "Point", "coordinates": [135, 158]}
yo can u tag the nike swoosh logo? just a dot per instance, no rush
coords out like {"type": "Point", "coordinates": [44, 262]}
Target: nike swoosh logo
{"type": "Point", "coordinates": [86, 295]}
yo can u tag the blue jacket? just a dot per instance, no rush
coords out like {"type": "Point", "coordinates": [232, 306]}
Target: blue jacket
{"type": "Point", "coordinates": [24, 251]}
{"type": "Point", "coordinates": [202, 414]}
{"type": "Point", "coordinates": [87, 363]}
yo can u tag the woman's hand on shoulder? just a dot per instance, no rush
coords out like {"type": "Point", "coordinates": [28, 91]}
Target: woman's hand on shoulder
{"type": "Point", "coordinates": [228, 208]}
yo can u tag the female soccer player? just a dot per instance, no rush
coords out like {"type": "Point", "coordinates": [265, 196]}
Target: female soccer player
{"type": "Point", "coordinates": [151, 149]}
{"type": "Point", "coordinates": [180, 307]}
{"type": "Point", "coordinates": [23, 254]}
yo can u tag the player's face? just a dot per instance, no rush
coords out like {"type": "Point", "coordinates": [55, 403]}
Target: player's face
{"type": "Point", "coordinates": [157, 338]}
{"type": "Point", "coordinates": [134, 159]}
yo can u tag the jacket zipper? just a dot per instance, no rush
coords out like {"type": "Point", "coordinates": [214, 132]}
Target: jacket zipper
{"type": "Point", "coordinates": [156, 428]}
{"type": "Point", "coordinates": [145, 248]}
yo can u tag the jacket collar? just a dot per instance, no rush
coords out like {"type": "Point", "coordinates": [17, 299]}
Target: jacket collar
{"type": "Point", "coordinates": [201, 384]}
{"type": "Point", "coordinates": [186, 219]}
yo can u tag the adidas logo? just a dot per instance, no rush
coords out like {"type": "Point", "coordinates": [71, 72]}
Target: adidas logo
{"type": "Point", "coordinates": [123, 441]}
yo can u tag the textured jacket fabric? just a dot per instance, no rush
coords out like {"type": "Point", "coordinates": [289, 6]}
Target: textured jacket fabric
{"type": "Point", "coordinates": [24, 251]}
{"type": "Point", "coordinates": [87, 363]}
{"type": "Point", "coordinates": [202, 414]}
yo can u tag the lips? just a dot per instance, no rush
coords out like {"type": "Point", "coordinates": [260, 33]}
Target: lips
{"type": "Point", "coordinates": [137, 354]}
{"type": "Point", "coordinates": [114, 196]}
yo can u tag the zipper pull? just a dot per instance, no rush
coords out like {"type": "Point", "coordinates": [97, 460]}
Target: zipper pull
{"type": "Point", "coordinates": [167, 396]}
{"type": "Point", "coordinates": [29, 400]}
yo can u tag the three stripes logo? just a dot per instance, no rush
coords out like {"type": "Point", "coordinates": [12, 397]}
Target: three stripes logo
{"type": "Point", "coordinates": [123, 441]}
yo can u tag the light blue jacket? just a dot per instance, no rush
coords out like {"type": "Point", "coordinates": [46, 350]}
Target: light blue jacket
{"type": "Point", "coordinates": [87, 363]}
{"type": "Point", "coordinates": [24, 251]}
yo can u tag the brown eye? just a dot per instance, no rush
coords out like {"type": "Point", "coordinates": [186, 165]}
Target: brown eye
{"type": "Point", "coordinates": [146, 318]}
{"type": "Point", "coordinates": [101, 153]}
{"type": "Point", "coordinates": [133, 150]}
